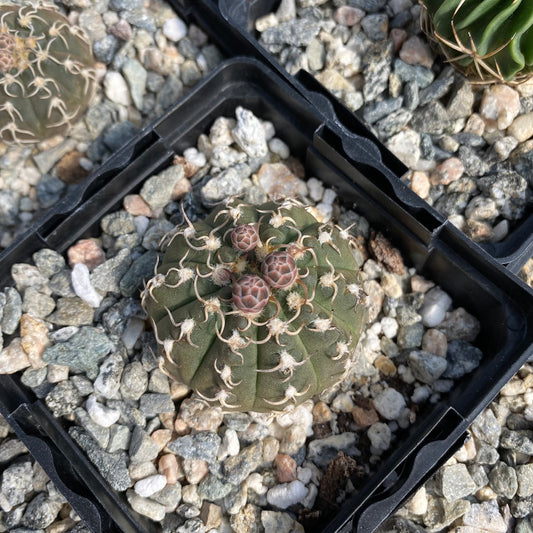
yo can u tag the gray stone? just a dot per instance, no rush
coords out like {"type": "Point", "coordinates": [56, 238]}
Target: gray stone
{"type": "Point", "coordinates": [213, 488]}
{"type": "Point", "coordinates": [410, 336]}
{"type": "Point", "coordinates": [9, 207]}
{"type": "Point", "coordinates": [230, 182]}
{"type": "Point", "coordinates": [524, 475]}
{"type": "Point", "coordinates": [411, 97]}
{"type": "Point", "coordinates": [487, 428]}
{"type": "Point", "coordinates": [153, 404]}
{"type": "Point", "coordinates": [135, 74]}
{"type": "Point", "coordinates": [49, 190]}
{"type": "Point", "coordinates": [435, 90]}
{"type": "Point", "coordinates": [63, 399]}
{"type": "Point", "coordinates": [49, 262]}
{"type": "Point", "coordinates": [36, 303]}
{"type": "Point", "coordinates": [378, 110]}
{"type": "Point", "coordinates": [33, 377]}
{"type": "Point", "coordinates": [202, 445]}
{"type": "Point", "coordinates": [11, 448]}
{"type": "Point", "coordinates": [431, 118]}
{"type": "Point", "coordinates": [72, 311]}
{"type": "Point", "coordinates": [119, 134]}
{"type": "Point", "coordinates": [375, 26]}
{"type": "Point", "coordinates": [118, 223]}
{"type": "Point", "coordinates": [520, 441]}
{"type": "Point", "coordinates": [119, 438]}
{"type": "Point", "coordinates": [61, 284]}
{"type": "Point", "coordinates": [456, 482]}
{"type": "Point", "coordinates": [249, 133]}
{"type": "Point", "coordinates": [142, 447]}
{"type": "Point", "coordinates": [503, 480]}
{"type": "Point", "coordinates": [462, 359]}
{"type": "Point", "coordinates": [112, 466]}
{"type": "Point", "coordinates": [393, 123]}
{"type": "Point", "coordinates": [157, 190]}
{"type": "Point", "coordinates": [12, 310]}
{"type": "Point", "coordinates": [98, 433]}
{"type": "Point", "coordinates": [104, 49]}
{"type": "Point", "coordinates": [81, 352]}
{"type": "Point", "coordinates": [16, 483]}
{"type": "Point", "coordinates": [376, 69]}
{"type": "Point", "coordinates": [106, 277]}
{"type": "Point", "coordinates": [295, 32]}
{"type": "Point", "coordinates": [155, 232]}
{"type": "Point", "coordinates": [427, 367]}
{"type": "Point", "coordinates": [108, 381]}
{"type": "Point", "coordinates": [40, 512]}
{"type": "Point", "coordinates": [421, 75]}
{"type": "Point", "coordinates": [140, 18]}
{"type": "Point", "coordinates": [142, 268]}
{"type": "Point", "coordinates": [238, 467]}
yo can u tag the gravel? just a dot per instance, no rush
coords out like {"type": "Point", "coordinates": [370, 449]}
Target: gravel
{"type": "Point", "coordinates": [97, 330]}
{"type": "Point", "coordinates": [374, 57]}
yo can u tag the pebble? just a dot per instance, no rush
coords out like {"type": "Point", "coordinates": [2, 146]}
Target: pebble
{"type": "Point", "coordinates": [521, 128]}
{"type": "Point", "coordinates": [380, 437]}
{"type": "Point", "coordinates": [102, 415]}
{"type": "Point", "coordinates": [249, 134]}
{"type": "Point", "coordinates": [389, 403]}
{"type": "Point", "coordinates": [87, 252]}
{"type": "Point", "coordinates": [436, 304]}
{"type": "Point", "coordinates": [13, 358]}
{"type": "Point", "coordinates": [150, 485]}
{"type": "Point", "coordinates": [287, 494]}
{"type": "Point", "coordinates": [81, 283]}
{"type": "Point", "coordinates": [174, 29]}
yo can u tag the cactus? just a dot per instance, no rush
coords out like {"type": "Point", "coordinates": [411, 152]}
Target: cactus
{"type": "Point", "coordinates": [486, 40]}
{"type": "Point", "coordinates": [256, 308]}
{"type": "Point", "coordinates": [47, 75]}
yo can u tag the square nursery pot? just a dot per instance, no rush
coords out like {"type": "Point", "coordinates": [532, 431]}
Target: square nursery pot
{"type": "Point", "coordinates": [230, 23]}
{"type": "Point", "coordinates": [475, 281]}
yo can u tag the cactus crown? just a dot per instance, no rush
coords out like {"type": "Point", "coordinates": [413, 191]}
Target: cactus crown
{"type": "Point", "coordinates": [47, 75]}
{"type": "Point", "coordinates": [486, 40]}
{"type": "Point", "coordinates": [257, 308]}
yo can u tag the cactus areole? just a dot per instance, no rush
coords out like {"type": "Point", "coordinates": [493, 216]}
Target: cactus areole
{"type": "Point", "coordinates": [262, 329]}
{"type": "Point", "coordinates": [486, 40]}
{"type": "Point", "coordinates": [47, 74]}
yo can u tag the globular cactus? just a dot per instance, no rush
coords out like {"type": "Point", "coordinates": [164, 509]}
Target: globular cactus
{"type": "Point", "coordinates": [487, 40]}
{"type": "Point", "coordinates": [47, 74]}
{"type": "Point", "coordinates": [257, 308]}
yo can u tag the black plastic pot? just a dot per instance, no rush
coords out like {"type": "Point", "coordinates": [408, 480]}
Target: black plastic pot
{"type": "Point", "coordinates": [231, 24]}
{"type": "Point", "coordinates": [502, 303]}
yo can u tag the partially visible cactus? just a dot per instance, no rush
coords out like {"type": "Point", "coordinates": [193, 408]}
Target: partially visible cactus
{"type": "Point", "coordinates": [257, 308]}
{"type": "Point", "coordinates": [47, 75]}
{"type": "Point", "coordinates": [486, 40]}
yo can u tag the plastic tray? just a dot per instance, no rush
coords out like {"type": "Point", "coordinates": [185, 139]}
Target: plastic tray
{"type": "Point", "coordinates": [502, 303]}
{"type": "Point", "coordinates": [231, 24]}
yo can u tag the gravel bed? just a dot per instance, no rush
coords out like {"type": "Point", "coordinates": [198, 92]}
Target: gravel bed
{"type": "Point", "coordinates": [469, 149]}
{"type": "Point", "coordinates": [79, 337]}
{"type": "Point", "coordinates": [147, 58]}
{"type": "Point", "coordinates": [29, 501]}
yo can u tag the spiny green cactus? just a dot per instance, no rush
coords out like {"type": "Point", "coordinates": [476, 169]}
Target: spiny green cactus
{"type": "Point", "coordinates": [257, 308]}
{"type": "Point", "coordinates": [47, 75]}
{"type": "Point", "coordinates": [487, 40]}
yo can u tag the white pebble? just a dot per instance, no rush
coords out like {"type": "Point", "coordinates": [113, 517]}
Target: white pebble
{"type": "Point", "coordinates": [389, 403]}
{"type": "Point", "coordinates": [375, 328]}
{"type": "Point", "coordinates": [436, 303]}
{"type": "Point", "coordinates": [379, 435]}
{"type": "Point", "coordinates": [229, 445]}
{"type": "Point", "coordinates": [101, 414]}
{"type": "Point", "coordinates": [389, 326]}
{"type": "Point", "coordinates": [277, 146]}
{"type": "Point", "coordinates": [309, 501]}
{"type": "Point", "coordinates": [329, 196]}
{"type": "Point", "coordinates": [150, 485]}
{"type": "Point", "coordinates": [420, 394]}
{"type": "Point", "coordinates": [132, 332]}
{"type": "Point", "coordinates": [343, 403]}
{"type": "Point", "coordinates": [301, 416]}
{"type": "Point", "coordinates": [269, 129]}
{"type": "Point", "coordinates": [81, 283]}
{"type": "Point", "coordinates": [316, 189]}
{"type": "Point", "coordinates": [287, 494]}
{"type": "Point", "coordinates": [174, 29]}
{"type": "Point", "coordinates": [304, 474]}
{"type": "Point", "coordinates": [116, 88]}
{"type": "Point", "coordinates": [325, 212]}
{"type": "Point", "coordinates": [196, 158]}
{"type": "Point", "coordinates": [255, 482]}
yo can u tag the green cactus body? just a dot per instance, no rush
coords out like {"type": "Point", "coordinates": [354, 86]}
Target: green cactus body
{"type": "Point", "coordinates": [228, 331]}
{"type": "Point", "coordinates": [487, 40]}
{"type": "Point", "coordinates": [47, 74]}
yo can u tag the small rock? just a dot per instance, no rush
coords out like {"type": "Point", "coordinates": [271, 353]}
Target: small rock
{"type": "Point", "coordinates": [499, 106]}
{"type": "Point", "coordinates": [283, 496]}
{"type": "Point", "coordinates": [86, 251]}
